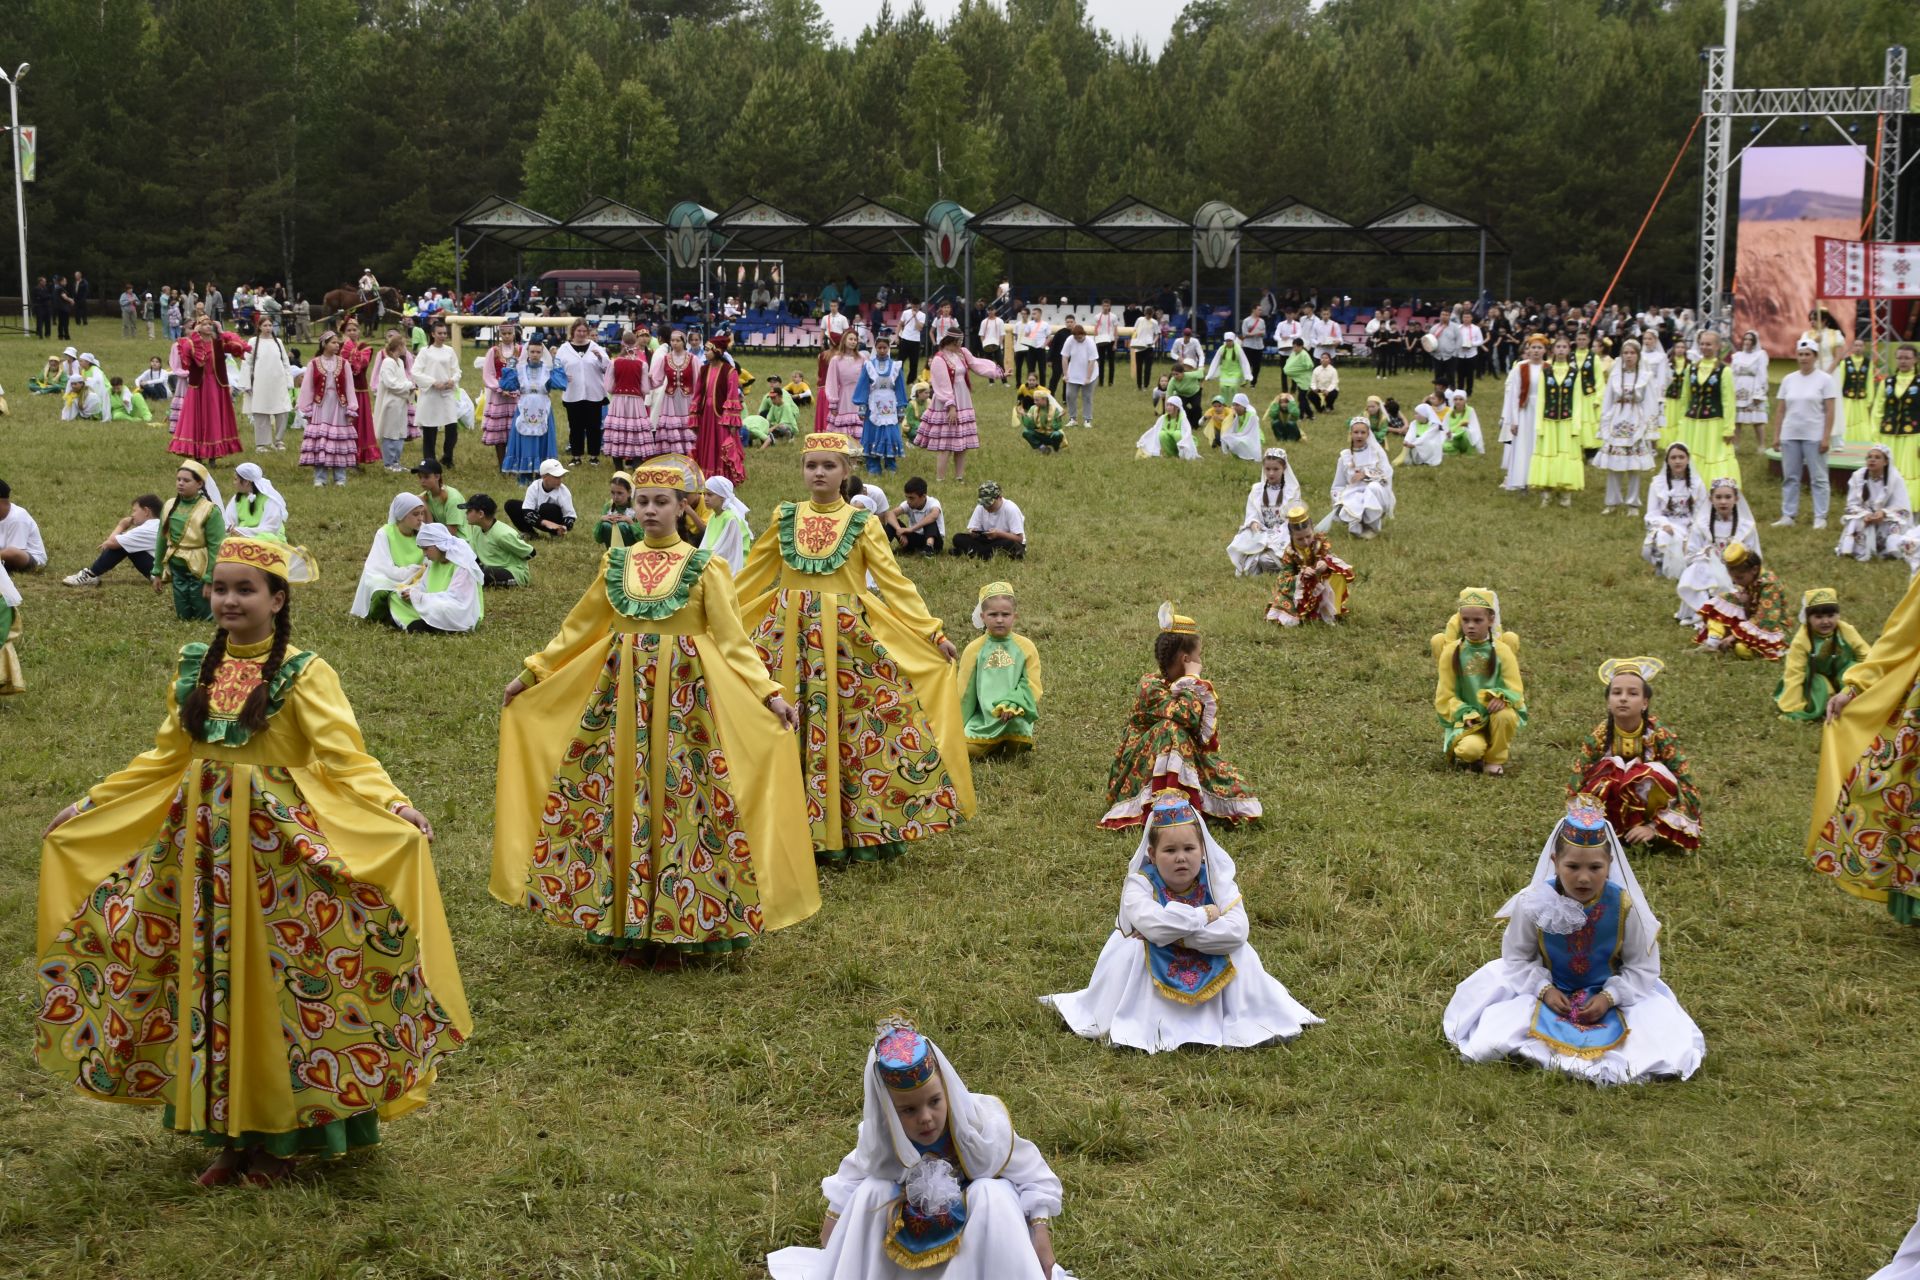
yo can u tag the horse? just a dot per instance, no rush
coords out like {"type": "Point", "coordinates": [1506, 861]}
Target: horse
{"type": "Point", "coordinates": [344, 301]}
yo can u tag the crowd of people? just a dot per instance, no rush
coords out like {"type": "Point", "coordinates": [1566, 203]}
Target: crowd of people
{"type": "Point", "coordinates": [823, 716]}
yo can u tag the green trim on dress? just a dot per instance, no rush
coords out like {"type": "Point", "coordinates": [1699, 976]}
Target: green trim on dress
{"type": "Point", "coordinates": [659, 608]}
{"type": "Point", "coordinates": [328, 1141]}
{"type": "Point", "coordinates": [886, 852]}
{"type": "Point", "coordinates": [818, 564]}
{"type": "Point", "coordinates": [232, 733]}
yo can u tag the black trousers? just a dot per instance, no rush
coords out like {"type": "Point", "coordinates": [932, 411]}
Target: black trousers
{"type": "Point", "coordinates": [1025, 360]}
{"type": "Point", "coordinates": [529, 521]}
{"type": "Point", "coordinates": [981, 547]}
{"type": "Point", "coordinates": [65, 318]}
{"type": "Point", "coordinates": [1324, 401]}
{"type": "Point", "coordinates": [1464, 371]}
{"type": "Point", "coordinates": [1143, 367]}
{"type": "Point", "coordinates": [1190, 405]}
{"type": "Point", "coordinates": [1106, 350]}
{"type": "Point", "coordinates": [927, 539]}
{"type": "Point", "coordinates": [429, 437]}
{"type": "Point", "coordinates": [1053, 370]}
{"type": "Point", "coordinates": [42, 323]}
{"type": "Point", "coordinates": [142, 561]}
{"type": "Point", "coordinates": [490, 576]}
{"type": "Point", "coordinates": [907, 351]}
{"type": "Point", "coordinates": [583, 427]}
{"type": "Point", "coordinates": [1254, 355]}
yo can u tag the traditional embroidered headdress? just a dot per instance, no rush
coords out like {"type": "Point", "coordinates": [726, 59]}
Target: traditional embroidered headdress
{"type": "Point", "coordinates": [1297, 514]}
{"type": "Point", "coordinates": [1274, 455]}
{"type": "Point", "coordinates": [687, 476]}
{"type": "Point", "coordinates": [290, 564]}
{"type": "Point", "coordinates": [903, 1055]}
{"type": "Point", "coordinates": [1176, 623]}
{"type": "Point", "coordinates": [1172, 807]}
{"type": "Point", "coordinates": [987, 593]}
{"type": "Point", "coordinates": [1586, 823]}
{"type": "Point", "coordinates": [1478, 598]}
{"type": "Point", "coordinates": [1818, 596]}
{"type": "Point", "coordinates": [1737, 555]}
{"type": "Point", "coordinates": [1645, 668]}
{"type": "Point", "coordinates": [828, 442]}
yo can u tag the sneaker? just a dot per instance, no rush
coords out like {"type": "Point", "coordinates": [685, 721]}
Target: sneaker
{"type": "Point", "coordinates": [1819, 524]}
{"type": "Point", "coordinates": [280, 446]}
{"type": "Point", "coordinates": [1607, 511]}
{"type": "Point", "coordinates": [1088, 424]}
{"type": "Point", "coordinates": [1072, 423]}
{"type": "Point", "coordinates": [1046, 448]}
{"type": "Point", "coordinates": [1784, 522]}
{"type": "Point", "coordinates": [1546, 499]}
{"type": "Point", "coordinates": [1566, 498]}
{"type": "Point", "coordinates": [84, 578]}
{"type": "Point", "coordinates": [263, 448]}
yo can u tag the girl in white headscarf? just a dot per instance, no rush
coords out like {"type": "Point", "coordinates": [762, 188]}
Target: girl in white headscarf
{"type": "Point", "coordinates": [256, 509]}
{"type": "Point", "coordinates": [1725, 518]}
{"type": "Point", "coordinates": [1262, 536]}
{"type": "Point", "coordinates": [1171, 435]}
{"type": "Point", "coordinates": [1427, 439]}
{"type": "Point", "coordinates": [937, 1176]}
{"type": "Point", "coordinates": [444, 592]}
{"type": "Point", "coordinates": [1577, 987]}
{"type": "Point", "coordinates": [1749, 365]}
{"type": "Point", "coordinates": [1676, 495]}
{"type": "Point", "coordinates": [1177, 968]}
{"type": "Point", "coordinates": [727, 536]}
{"type": "Point", "coordinates": [1630, 416]}
{"type": "Point", "coordinates": [1242, 436]}
{"type": "Point", "coordinates": [1362, 484]}
{"type": "Point", "coordinates": [1878, 509]}
{"type": "Point", "coordinates": [394, 557]}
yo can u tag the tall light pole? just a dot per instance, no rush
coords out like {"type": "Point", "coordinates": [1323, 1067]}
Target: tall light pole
{"type": "Point", "coordinates": [19, 192]}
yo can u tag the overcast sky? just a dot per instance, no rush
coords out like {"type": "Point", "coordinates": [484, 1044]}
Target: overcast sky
{"type": "Point", "coordinates": [1149, 20]}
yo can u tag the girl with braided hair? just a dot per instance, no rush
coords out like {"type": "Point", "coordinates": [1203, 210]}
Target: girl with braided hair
{"type": "Point", "coordinates": [242, 927]}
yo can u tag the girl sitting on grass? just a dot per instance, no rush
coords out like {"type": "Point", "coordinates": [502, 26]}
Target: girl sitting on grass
{"type": "Point", "coordinates": [1823, 649]}
{"type": "Point", "coordinates": [1634, 766]}
{"type": "Point", "coordinates": [1479, 697]}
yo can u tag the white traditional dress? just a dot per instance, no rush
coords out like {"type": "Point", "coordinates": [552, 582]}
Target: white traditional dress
{"type": "Point", "coordinates": [1706, 573]}
{"type": "Point", "coordinates": [393, 558]}
{"type": "Point", "coordinates": [1262, 536]}
{"type": "Point", "coordinates": [1865, 496]}
{"type": "Point", "coordinates": [1169, 977]}
{"type": "Point", "coordinates": [1362, 490]}
{"type": "Point", "coordinates": [1519, 416]}
{"type": "Point", "coordinates": [1631, 413]}
{"type": "Point", "coordinates": [1171, 435]}
{"type": "Point", "coordinates": [1427, 439]}
{"type": "Point", "coordinates": [1004, 1184]}
{"type": "Point", "coordinates": [1671, 507]}
{"type": "Point", "coordinates": [1611, 945]}
{"type": "Point", "coordinates": [1749, 384]}
{"type": "Point", "coordinates": [1242, 437]}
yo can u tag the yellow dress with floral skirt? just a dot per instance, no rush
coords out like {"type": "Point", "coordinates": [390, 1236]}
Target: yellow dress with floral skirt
{"type": "Point", "coordinates": [882, 746]}
{"type": "Point", "coordinates": [242, 931]}
{"type": "Point", "coordinates": [645, 795]}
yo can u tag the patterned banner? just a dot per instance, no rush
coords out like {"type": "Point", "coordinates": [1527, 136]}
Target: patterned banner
{"type": "Point", "coordinates": [29, 151]}
{"type": "Point", "coordinates": [1857, 269]}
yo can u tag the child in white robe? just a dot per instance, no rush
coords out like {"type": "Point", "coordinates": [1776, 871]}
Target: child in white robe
{"type": "Point", "coordinates": [1242, 436]}
{"type": "Point", "coordinates": [1262, 535]}
{"type": "Point", "coordinates": [1725, 519]}
{"type": "Point", "coordinates": [1673, 499]}
{"type": "Point", "coordinates": [394, 556]}
{"type": "Point", "coordinates": [1427, 439]}
{"type": "Point", "coordinates": [1878, 510]}
{"type": "Point", "coordinates": [1362, 484]}
{"type": "Point", "coordinates": [1171, 435]}
{"type": "Point", "coordinates": [1577, 986]}
{"type": "Point", "coordinates": [1177, 968]}
{"type": "Point", "coordinates": [937, 1177]}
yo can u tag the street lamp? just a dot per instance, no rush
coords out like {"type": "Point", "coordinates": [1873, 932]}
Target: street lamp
{"type": "Point", "coordinates": [19, 192]}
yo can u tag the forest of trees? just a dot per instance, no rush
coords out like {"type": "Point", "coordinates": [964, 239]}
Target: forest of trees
{"type": "Point", "coordinates": [299, 139]}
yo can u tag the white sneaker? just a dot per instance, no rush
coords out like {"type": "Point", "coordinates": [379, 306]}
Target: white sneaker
{"type": "Point", "coordinates": [84, 578]}
{"type": "Point", "coordinates": [1819, 524]}
{"type": "Point", "coordinates": [1566, 497]}
{"type": "Point", "coordinates": [1088, 424]}
{"type": "Point", "coordinates": [1784, 522]}
{"type": "Point", "coordinates": [1072, 423]}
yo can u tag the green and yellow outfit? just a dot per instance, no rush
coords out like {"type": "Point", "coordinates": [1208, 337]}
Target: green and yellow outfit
{"type": "Point", "coordinates": [249, 509]}
{"type": "Point", "coordinates": [189, 535]}
{"type": "Point", "coordinates": [910, 414]}
{"type": "Point", "coordinates": [1676, 410]}
{"type": "Point", "coordinates": [1815, 670]}
{"type": "Point", "coordinates": [294, 1019]}
{"type": "Point", "coordinates": [133, 408]}
{"type": "Point", "coordinates": [1039, 422]}
{"type": "Point", "coordinates": [12, 679]}
{"type": "Point", "coordinates": [1557, 461]}
{"type": "Point", "coordinates": [1859, 395]}
{"type": "Point", "coordinates": [609, 533]}
{"type": "Point", "coordinates": [501, 547]}
{"type": "Point", "coordinates": [1284, 420]}
{"type": "Point", "coordinates": [1000, 675]}
{"type": "Point", "coordinates": [1469, 676]}
{"type": "Point", "coordinates": [1589, 384]}
{"type": "Point", "coordinates": [1706, 424]}
{"type": "Point", "coordinates": [1900, 421]}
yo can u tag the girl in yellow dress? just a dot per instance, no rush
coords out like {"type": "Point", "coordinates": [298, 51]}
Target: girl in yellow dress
{"type": "Point", "coordinates": [1557, 462]}
{"type": "Point", "coordinates": [882, 744]}
{"type": "Point", "coordinates": [242, 927]}
{"type": "Point", "coordinates": [642, 797]}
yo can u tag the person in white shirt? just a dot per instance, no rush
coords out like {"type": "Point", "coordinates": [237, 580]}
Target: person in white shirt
{"type": "Point", "coordinates": [1144, 344]}
{"type": "Point", "coordinates": [1031, 353]}
{"type": "Point", "coordinates": [993, 343]}
{"type": "Point", "coordinates": [1253, 341]}
{"type": "Point", "coordinates": [1106, 328]}
{"type": "Point", "coordinates": [547, 506]}
{"type": "Point", "coordinates": [268, 394]}
{"type": "Point", "coordinates": [1472, 340]}
{"type": "Point", "coordinates": [1187, 350]}
{"type": "Point", "coordinates": [911, 326]}
{"type": "Point", "coordinates": [21, 549]}
{"type": "Point", "coordinates": [995, 525]}
{"type": "Point", "coordinates": [589, 371]}
{"type": "Point", "coordinates": [943, 324]}
{"type": "Point", "coordinates": [832, 325]}
{"type": "Point", "coordinates": [917, 524]}
{"type": "Point", "coordinates": [1803, 432]}
{"type": "Point", "coordinates": [436, 372]}
{"type": "Point", "coordinates": [133, 539]}
{"type": "Point", "coordinates": [1080, 366]}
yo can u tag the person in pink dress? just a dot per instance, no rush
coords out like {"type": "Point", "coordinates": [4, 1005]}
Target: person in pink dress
{"type": "Point", "coordinates": [329, 406]}
{"type": "Point", "coordinates": [358, 357]}
{"type": "Point", "coordinates": [207, 430]}
{"type": "Point", "coordinates": [948, 427]}
{"type": "Point", "coordinates": [177, 388]}
{"type": "Point", "coordinates": [716, 413]}
{"type": "Point", "coordinates": [628, 435]}
{"type": "Point", "coordinates": [674, 375]}
{"type": "Point", "coordinates": [497, 421]}
{"type": "Point", "coordinates": [838, 383]}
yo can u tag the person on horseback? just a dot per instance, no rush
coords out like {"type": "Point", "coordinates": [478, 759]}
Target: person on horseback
{"type": "Point", "coordinates": [370, 290]}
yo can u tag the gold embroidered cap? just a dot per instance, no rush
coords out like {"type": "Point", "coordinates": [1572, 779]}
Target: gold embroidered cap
{"type": "Point", "coordinates": [1176, 623]}
{"type": "Point", "coordinates": [651, 477]}
{"type": "Point", "coordinates": [828, 442]}
{"type": "Point", "coordinates": [1298, 513]}
{"type": "Point", "coordinates": [1477, 598]}
{"type": "Point", "coordinates": [289, 563]}
{"type": "Point", "coordinates": [1737, 555]}
{"type": "Point", "coordinates": [688, 477]}
{"type": "Point", "coordinates": [1644, 667]}
{"type": "Point", "coordinates": [1817, 598]}
{"type": "Point", "coordinates": [987, 593]}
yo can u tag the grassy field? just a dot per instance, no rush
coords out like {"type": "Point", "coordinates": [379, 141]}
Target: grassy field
{"type": "Point", "coordinates": [607, 1123]}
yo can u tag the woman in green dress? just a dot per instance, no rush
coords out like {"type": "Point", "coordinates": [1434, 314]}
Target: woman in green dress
{"type": "Point", "coordinates": [191, 526]}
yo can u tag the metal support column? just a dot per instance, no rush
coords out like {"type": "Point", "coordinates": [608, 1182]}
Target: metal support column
{"type": "Point", "coordinates": [1234, 320]}
{"type": "Point", "coordinates": [1713, 191]}
{"type": "Point", "coordinates": [1193, 288]}
{"type": "Point", "coordinates": [456, 266]}
{"type": "Point", "coordinates": [966, 294]}
{"type": "Point", "coordinates": [1886, 195]}
{"type": "Point", "coordinates": [1481, 291]}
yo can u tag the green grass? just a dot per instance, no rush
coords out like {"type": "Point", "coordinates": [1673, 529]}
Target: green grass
{"type": "Point", "coordinates": [610, 1124]}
